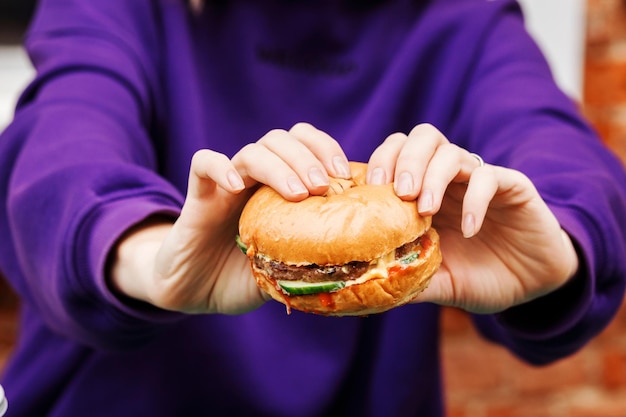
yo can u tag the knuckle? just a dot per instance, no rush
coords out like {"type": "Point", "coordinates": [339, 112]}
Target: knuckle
{"type": "Point", "coordinates": [199, 155]}
{"type": "Point", "coordinates": [301, 128]}
{"type": "Point", "coordinates": [204, 157]}
{"type": "Point", "coordinates": [247, 153]}
{"type": "Point", "coordinates": [208, 154]}
{"type": "Point", "coordinates": [427, 131]}
{"type": "Point", "coordinates": [396, 138]}
{"type": "Point", "coordinates": [454, 152]}
{"type": "Point", "coordinates": [422, 128]}
{"type": "Point", "coordinates": [272, 136]}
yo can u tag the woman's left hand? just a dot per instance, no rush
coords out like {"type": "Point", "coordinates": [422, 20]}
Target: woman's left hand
{"type": "Point", "coordinates": [501, 244]}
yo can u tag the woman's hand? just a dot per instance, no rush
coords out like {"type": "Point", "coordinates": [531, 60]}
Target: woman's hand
{"type": "Point", "coordinates": [501, 244]}
{"type": "Point", "coordinates": [194, 265]}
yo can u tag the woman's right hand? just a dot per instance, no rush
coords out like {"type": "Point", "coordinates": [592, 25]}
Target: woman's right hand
{"type": "Point", "coordinates": [193, 265]}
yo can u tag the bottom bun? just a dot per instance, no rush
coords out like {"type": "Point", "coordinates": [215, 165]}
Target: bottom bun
{"type": "Point", "coordinates": [373, 296]}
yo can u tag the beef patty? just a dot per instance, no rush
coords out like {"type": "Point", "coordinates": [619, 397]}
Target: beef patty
{"type": "Point", "coordinates": [321, 273]}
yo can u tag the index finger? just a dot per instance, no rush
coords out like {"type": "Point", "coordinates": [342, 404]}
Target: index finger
{"type": "Point", "coordinates": [324, 147]}
{"type": "Point", "coordinates": [295, 163]}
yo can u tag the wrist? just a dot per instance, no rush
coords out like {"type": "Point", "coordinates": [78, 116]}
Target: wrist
{"type": "Point", "coordinates": [560, 309]}
{"type": "Point", "coordinates": [570, 255]}
{"type": "Point", "coordinates": [131, 269]}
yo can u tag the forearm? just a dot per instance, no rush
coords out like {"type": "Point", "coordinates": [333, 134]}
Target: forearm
{"type": "Point", "coordinates": [131, 269]}
{"type": "Point", "coordinates": [82, 178]}
{"type": "Point", "coordinates": [570, 256]}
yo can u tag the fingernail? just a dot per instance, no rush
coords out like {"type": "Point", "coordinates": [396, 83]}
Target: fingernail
{"type": "Point", "coordinates": [318, 178]}
{"type": "Point", "coordinates": [234, 180]}
{"type": "Point", "coordinates": [404, 186]}
{"type": "Point", "coordinates": [341, 167]}
{"type": "Point", "coordinates": [296, 186]}
{"type": "Point", "coordinates": [377, 177]}
{"type": "Point", "coordinates": [425, 202]}
{"type": "Point", "coordinates": [469, 225]}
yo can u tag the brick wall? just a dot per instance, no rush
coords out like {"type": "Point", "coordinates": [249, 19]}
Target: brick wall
{"type": "Point", "coordinates": [8, 318]}
{"type": "Point", "coordinates": [605, 78]}
{"type": "Point", "coordinates": [483, 380]}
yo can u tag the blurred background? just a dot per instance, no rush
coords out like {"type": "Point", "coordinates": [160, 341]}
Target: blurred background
{"type": "Point", "coordinates": [585, 43]}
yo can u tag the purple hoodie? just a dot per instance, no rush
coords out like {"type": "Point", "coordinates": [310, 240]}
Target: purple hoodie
{"type": "Point", "coordinates": [126, 92]}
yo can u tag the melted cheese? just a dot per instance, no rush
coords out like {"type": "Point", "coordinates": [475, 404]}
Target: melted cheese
{"type": "Point", "coordinates": [378, 269]}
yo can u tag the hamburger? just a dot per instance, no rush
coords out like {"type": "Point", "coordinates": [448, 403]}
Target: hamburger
{"type": "Point", "coordinates": [355, 251]}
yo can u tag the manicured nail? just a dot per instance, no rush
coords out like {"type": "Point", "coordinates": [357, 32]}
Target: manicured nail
{"type": "Point", "coordinates": [469, 225]}
{"type": "Point", "coordinates": [404, 185]}
{"type": "Point", "coordinates": [296, 186]}
{"type": "Point", "coordinates": [377, 177]}
{"type": "Point", "coordinates": [341, 167]}
{"type": "Point", "coordinates": [317, 177]}
{"type": "Point", "coordinates": [234, 180]}
{"type": "Point", "coordinates": [425, 202]}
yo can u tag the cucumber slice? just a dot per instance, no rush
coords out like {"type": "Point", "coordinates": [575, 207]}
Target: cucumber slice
{"type": "Point", "coordinates": [411, 257]}
{"type": "Point", "coordinates": [304, 288]}
{"type": "Point", "coordinates": [241, 245]}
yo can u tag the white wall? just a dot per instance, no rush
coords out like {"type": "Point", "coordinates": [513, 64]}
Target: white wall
{"type": "Point", "coordinates": [15, 73]}
{"type": "Point", "coordinates": [559, 28]}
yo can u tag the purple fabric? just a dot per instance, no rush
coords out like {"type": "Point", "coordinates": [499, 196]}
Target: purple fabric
{"type": "Point", "coordinates": [127, 91]}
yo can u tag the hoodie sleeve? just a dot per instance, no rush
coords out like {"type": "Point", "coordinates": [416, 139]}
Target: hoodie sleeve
{"type": "Point", "coordinates": [78, 167]}
{"type": "Point", "coordinates": [512, 103]}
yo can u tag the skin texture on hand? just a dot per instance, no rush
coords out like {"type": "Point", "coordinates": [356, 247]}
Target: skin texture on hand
{"type": "Point", "coordinates": [520, 252]}
{"type": "Point", "coordinates": [193, 265]}
{"type": "Point", "coordinates": [498, 237]}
